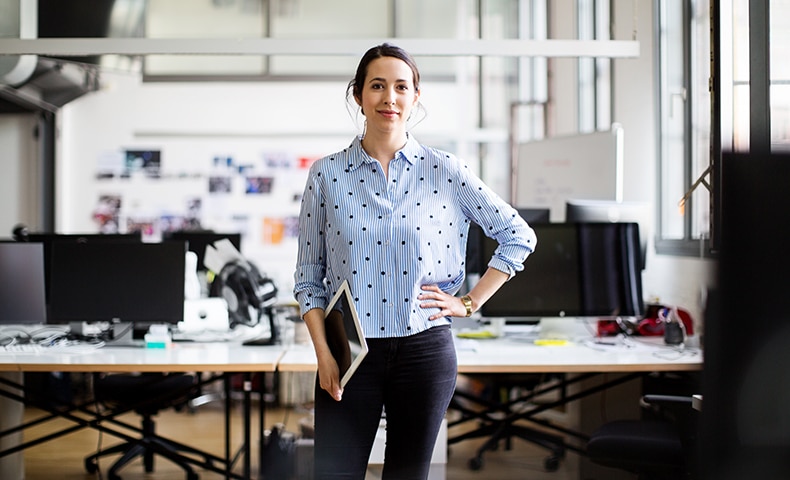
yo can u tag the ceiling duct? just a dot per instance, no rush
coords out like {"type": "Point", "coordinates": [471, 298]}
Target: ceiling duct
{"type": "Point", "coordinates": [32, 83]}
{"type": "Point", "coordinates": [52, 84]}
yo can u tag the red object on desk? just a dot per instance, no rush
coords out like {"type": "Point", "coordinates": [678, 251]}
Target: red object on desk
{"type": "Point", "coordinates": [650, 325]}
{"type": "Point", "coordinates": [608, 328]}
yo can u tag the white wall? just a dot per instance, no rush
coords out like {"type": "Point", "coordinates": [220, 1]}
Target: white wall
{"type": "Point", "coordinates": [20, 180]}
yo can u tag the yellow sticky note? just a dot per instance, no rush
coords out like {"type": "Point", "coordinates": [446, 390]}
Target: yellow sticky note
{"type": "Point", "coordinates": [476, 334]}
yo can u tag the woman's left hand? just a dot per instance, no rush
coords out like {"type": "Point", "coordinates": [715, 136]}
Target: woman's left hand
{"type": "Point", "coordinates": [448, 305]}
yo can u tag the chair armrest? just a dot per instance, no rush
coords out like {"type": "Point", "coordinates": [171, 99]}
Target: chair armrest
{"type": "Point", "coordinates": [660, 400]}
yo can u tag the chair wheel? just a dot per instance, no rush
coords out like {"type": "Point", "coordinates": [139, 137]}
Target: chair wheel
{"type": "Point", "coordinates": [192, 476]}
{"type": "Point", "coordinates": [551, 464]}
{"type": "Point", "coordinates": [113, 476]}
{"type": "Point", "coordinates": [91, 466]}
{"type": "Point", "coordinates": [475, 463]}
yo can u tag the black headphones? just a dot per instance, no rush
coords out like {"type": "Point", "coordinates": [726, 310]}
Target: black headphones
{"type": "Point", "coordinates": [247, 292]}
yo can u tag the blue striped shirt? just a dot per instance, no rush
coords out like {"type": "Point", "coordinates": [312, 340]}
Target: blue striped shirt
{"type": "Point", "coordinates": [390, 236]}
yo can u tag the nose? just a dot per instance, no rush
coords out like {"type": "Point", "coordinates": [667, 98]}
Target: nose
{"type": "Point", "coordinates": [389, 99]}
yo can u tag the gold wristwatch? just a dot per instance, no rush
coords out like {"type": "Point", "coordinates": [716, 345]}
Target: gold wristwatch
{"type": "Point", "coordinates": [468, 304]}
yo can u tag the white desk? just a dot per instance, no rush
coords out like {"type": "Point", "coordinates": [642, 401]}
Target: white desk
{"type": "Point", "coordinates": [180, 357]}
{"type": "Point", "coordinates": [225, 357]}
{"type": "Point", "coordinates": [512, 355]}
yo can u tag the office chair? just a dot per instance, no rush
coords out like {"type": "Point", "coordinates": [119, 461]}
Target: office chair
{"type": "Point", "coordinates": [145, 394]}
{"type": "Point", "coordinates": [496, 418]}
{"type": "Point", "coordinates": [658, 447]}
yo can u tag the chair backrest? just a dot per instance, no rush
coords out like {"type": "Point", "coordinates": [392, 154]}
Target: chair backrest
{"type": "Point", "coordinates": [146, 393]}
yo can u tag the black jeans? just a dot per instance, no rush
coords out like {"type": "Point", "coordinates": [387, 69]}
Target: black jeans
{"type": "Point", "coordinates": [412, 379]}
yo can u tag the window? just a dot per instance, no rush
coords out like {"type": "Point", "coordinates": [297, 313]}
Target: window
{"type": "Point", "coordinates": [288, 19]}
{"type": "Point", "coordinates": [595, 111]}
{"type": "Point", "coordinates": [684, 126]}
{"type": "Point", "coordinates": [751, 95]}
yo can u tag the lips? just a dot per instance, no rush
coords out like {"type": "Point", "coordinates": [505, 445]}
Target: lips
{"type": "Point", "coordinates": [388, 113]}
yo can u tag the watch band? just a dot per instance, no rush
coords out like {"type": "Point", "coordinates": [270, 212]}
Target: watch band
{"type": "Point", "coordinates": [468, 304]}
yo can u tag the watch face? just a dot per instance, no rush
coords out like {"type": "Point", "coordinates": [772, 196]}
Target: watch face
{"type": "Point", "coordinates": [468, 304]}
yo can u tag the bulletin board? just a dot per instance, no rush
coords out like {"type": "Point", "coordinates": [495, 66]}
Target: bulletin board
{"type": "Point", "coordinates": [249, 186]}
{"type": "Point", "coordinates": [549, 172]}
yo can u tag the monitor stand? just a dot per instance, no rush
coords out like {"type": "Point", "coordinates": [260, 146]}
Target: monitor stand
{"type": "Point", "coordinates": [114, 333]}
{"type": "Point", "coordinates": [122, 335]}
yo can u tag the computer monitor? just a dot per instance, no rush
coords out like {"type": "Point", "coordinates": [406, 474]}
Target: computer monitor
{"type": "Point", "coordinates": [577, 210]}
{"type": "Point", "coordinates": [141, 283]}
{"type": "Point", "coordinates": [477, 264]}
{"type": "Point", "coordinates": [198, 240]}
{"type": "Point", "coordinates": [577, 270]}
{"type": "Point", "coordinates": [47, 239]}
{"type": "Point", "coordinates": [22, 294]}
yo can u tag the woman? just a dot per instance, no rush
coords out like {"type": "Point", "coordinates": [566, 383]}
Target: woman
{"type": "Point", "coordinates": [391, 216]}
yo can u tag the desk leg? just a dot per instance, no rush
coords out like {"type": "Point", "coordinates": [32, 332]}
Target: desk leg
{"type": "Point", "coordinates": [247, 436]}
{"type": "Point", "coordinates": [228, 459]}
{"type": "Point", "coordinates": [11, 415]}
{"type": "Point", "coordinates": [261, 422]}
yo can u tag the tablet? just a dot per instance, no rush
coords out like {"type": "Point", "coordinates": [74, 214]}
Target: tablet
{"type": "Point", "coordinates": [344, 333]}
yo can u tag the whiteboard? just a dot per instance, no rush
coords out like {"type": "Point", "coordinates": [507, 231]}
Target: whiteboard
{"type": "Point", "coordinates": [549, 172]}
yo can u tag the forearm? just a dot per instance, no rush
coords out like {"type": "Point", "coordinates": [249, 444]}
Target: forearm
{"type": "Point", "coordinates": [314, 320]}
{"type": "Point", "coordinates": [491, 281]}
{"type": "Point", "coordinates": [328, 374]}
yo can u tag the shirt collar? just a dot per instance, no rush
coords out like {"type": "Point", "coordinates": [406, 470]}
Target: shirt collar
{"type": "Point", "coordinates": [411, 151]}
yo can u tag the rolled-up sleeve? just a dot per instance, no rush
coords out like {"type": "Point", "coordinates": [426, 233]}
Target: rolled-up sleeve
{"type": "Point", "coordinates": [515, 245]}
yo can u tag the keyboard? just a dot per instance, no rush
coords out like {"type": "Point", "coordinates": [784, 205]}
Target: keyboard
{"type": "Point", "coordinates": [36, 348]}
{"type": "Point", "coordinates": [18, 348]}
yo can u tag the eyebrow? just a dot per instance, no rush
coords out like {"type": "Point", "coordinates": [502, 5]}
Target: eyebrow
{"type": "Point", "coordinates": [380, 79]}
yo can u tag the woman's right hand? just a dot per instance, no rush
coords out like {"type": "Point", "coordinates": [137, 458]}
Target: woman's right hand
{"type": "Point", "coordinates": [328, 371]}
{"type": "Point", "coordinates": [329, 376]}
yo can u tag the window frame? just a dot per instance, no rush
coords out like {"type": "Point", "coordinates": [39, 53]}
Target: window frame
{"type": "Point", "coordinates": [689, 245]}
{"type": "Point", "coordinates": [723, 132]}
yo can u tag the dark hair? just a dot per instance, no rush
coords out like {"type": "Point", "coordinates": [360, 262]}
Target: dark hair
{"type": "Point", "coordinates": [383, 50]}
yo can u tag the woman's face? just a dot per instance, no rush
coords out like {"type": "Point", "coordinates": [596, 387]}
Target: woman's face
{"type": "Point", "coordinates": [388, 94]}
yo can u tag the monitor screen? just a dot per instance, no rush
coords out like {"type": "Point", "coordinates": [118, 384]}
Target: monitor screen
{"type": "Point", "coordinates": [612, 211]}
{"type": "Point", "coordinates": [142, 283]}
{"type": "Point", "coordinates": [475, 263]}
{"type": "Point", "coordinates": [47, 239]}
{"type": "Point", "coordinates": [22, 298]}
{"type": "Point", "coordinates": [197, 241]}
{"type": "Point", "coordinates": [576, 270]}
